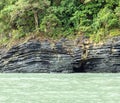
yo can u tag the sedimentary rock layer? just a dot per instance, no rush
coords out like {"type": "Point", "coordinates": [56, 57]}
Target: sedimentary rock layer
{"type": "Point", "coordinates": [61, 57]}
{"type": "Point", "coordinates": [39, 57]}
{"type": "Point", "coordinates": [104, 58]}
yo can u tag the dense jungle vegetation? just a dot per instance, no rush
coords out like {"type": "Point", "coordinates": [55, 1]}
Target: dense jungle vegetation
{"type": "Point", "coordinates": [96, 19]}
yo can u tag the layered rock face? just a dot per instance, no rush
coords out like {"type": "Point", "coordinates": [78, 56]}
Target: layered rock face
{"type": "Point", "coordinates": [39, 57]}
{"type": "Point", "coordinates": [104, 58]}
{"type": "Point", "coordinates": [61, 57]}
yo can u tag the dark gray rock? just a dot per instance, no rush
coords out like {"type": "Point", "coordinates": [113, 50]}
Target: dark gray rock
{"type": "Point", "coordinates": [105, 58]}
{"type": "Point", "coordinates": [36, 57]}
{"type": "Point", "coordinates": [63, 57]}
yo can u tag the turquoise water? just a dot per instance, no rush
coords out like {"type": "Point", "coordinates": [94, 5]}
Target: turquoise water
{"type": "Point", "coordinates": [59, 88]}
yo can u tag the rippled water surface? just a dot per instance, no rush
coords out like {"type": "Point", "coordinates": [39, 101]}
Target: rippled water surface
{"type": "Point", "coordinates": [59, 88]}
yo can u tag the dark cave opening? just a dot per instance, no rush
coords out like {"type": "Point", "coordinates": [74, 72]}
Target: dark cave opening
{"type": "Point", "coordinates": [79, 69]}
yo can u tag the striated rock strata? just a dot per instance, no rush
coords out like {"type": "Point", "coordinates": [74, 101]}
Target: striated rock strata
{"type": "Point", "coordinates": [104, 58]}
{"type": "Point", "coordinates": [61, 57]}
{"type": "Point", "coordinates": [39, 57]}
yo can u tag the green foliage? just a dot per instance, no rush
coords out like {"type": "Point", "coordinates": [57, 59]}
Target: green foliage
{"type": "Point", "coordinates": [22, 14]}
{"type": "Point", "coordinates": [50, 25]}
{"type": "Point", "coordinates": [117, 13]}
{"type": "Point", "coordinates": [56, 18]}
{"type": "Point", "coordinates": [17, 34]}
{"type": "Point", "coordinates": [114, 32]}
{"type": "Point", "coordinates": [106, 19]}
{"type": "Point", "coordinates": [3, 40]}
{"type": "Point", "coordinates": [99, 35]}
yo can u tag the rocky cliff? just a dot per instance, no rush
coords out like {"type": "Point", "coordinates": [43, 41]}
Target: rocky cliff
{"type": "Point", "coordinates": [40, 57]}
{"type": "Point", "coordinates": [63, 56]}
{"type": "Point", "coordinates": [104, 58]}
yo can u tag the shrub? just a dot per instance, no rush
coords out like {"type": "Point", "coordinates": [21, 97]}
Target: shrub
{"type": "Point", "coordinates": [50, 25]}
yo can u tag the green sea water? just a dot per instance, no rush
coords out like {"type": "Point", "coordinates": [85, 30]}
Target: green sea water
{"type": "Point", "coordinates": [60, 88]}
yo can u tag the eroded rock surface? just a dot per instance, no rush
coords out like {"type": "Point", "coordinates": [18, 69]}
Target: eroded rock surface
{"type": "Point", "coordinates": [61, 57]}
{"type": "Point", "coordinates": [38, 57]}
{"type": "Point", "coordinates": [104, 58]}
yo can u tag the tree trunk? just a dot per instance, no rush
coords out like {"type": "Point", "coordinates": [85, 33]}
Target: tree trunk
{"type": "Point", "coordinates": [36, 19]}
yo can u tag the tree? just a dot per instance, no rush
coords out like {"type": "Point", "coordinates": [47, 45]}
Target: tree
{"type": "Point", "coordinates": [22, 14]}
{"type": "Point", "coordinates": [59, 17]}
